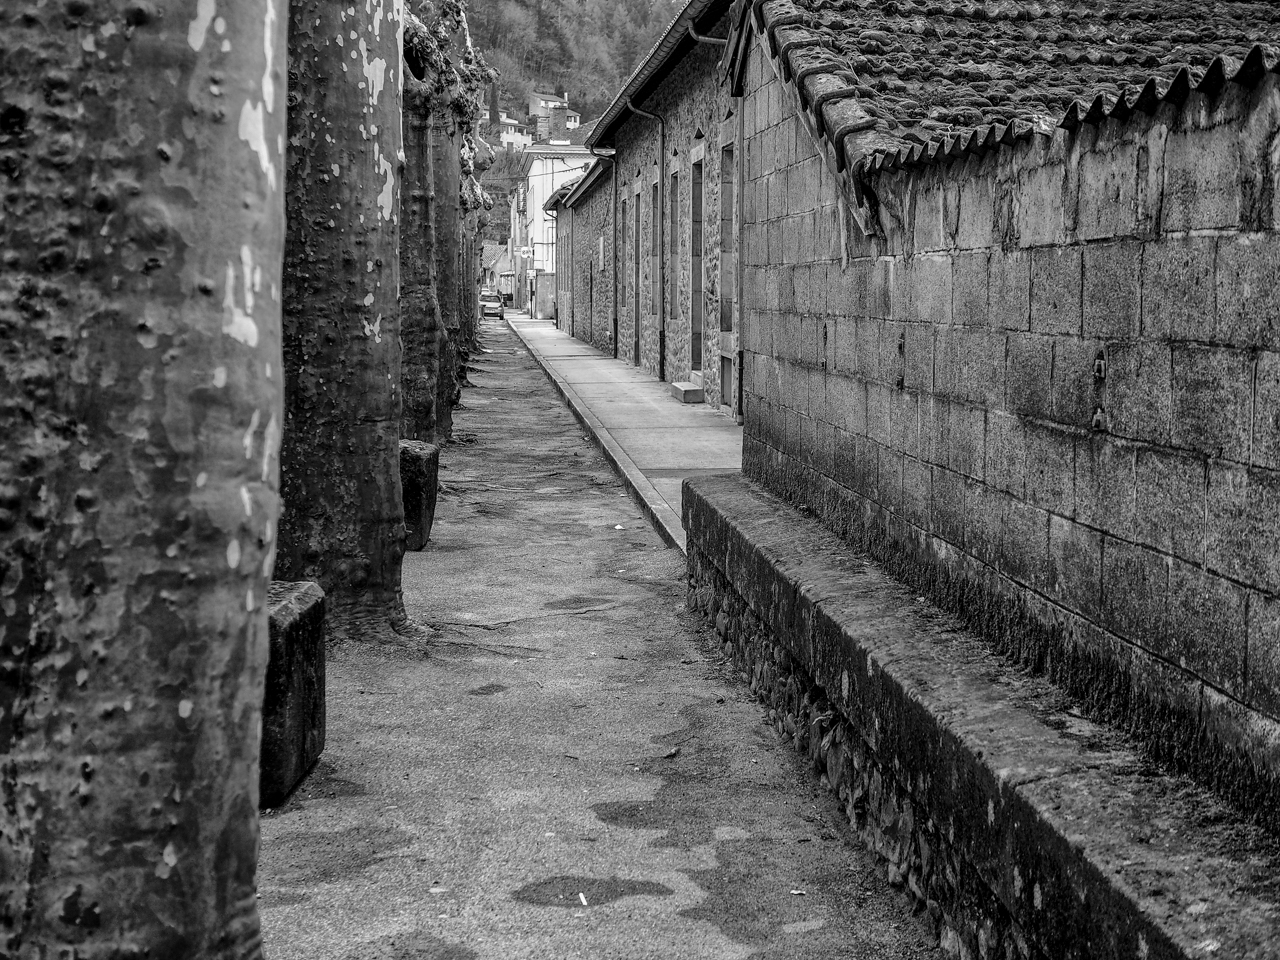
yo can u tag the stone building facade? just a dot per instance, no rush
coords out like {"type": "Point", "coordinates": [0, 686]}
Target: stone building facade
{"type": "Point", "coordinates": [1033, 373]}
{"type": "Point", "coordinates": [1018, 348]}
{"type": "Point", "coordinates": [1042, 388]}
{"type": "Point", "coordinates": [584, 238]}
{"type": "Point", "coordinates": [673, 148]}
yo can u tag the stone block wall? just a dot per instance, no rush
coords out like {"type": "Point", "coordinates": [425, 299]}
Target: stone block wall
{"type": "Point", "coordinates": [1048, 396]}
{"type": "Point", "coordinates": [591, 318]}
{"type": "Point", "coordinates": [695, 107]}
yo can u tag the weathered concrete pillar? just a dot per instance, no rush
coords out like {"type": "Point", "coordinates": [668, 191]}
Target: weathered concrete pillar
{"type": "Point", "coordinates": [343, 523]}
{"type": "Point", "coordinates": [141, 233]}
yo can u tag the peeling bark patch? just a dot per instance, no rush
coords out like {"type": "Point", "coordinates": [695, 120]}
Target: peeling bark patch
{"type": "Point", "coordinates": [236, 322]}
{"type": "Point", "coordinates": [77, 914]}
{"type": "Point", "coordinates": [579, 892]}
{"type": "Point", "coordinates": [199, 29]}
{"type": "Point", "coordinates": [375, 73]}
{"type": "Point", "coordinates": [270, 444]}
{"type": "Point", "coordinates": [168, 860]}
{"type": "Point", "coordinates": [268, 47]}
{"type": "Point", "coordinates": [251, 131]}
{"type": "Point", "coordinates": [248, 434]}
{"type": "Point", "coordinates": [386, 199]}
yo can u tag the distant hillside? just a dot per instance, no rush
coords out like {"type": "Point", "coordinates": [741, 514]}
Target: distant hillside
{"type": "Point", "coordinates": [585, 48]}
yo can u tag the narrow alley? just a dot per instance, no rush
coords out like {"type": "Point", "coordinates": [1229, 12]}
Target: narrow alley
{"type": "Point", "coordinates": [570, 771]}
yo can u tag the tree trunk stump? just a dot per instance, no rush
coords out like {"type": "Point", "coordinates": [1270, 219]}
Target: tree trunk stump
{"type": "Point", "coordinates": [420, 478]}
{"type": "Point", "coordinates": [293, 703]}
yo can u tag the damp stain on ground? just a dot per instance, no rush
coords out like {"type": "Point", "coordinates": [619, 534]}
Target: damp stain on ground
{"type": "Point", "coordinates": [586, 891]}
{"type": "Point", "coordinates": [783, 881]}
{"type": "Point", "coordinates": [569, 737]}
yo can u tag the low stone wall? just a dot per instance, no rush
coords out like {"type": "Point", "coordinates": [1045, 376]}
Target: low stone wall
{"type": "Point", "coordinates": [1026, 830]}
{"type": "Point", "coordinates": [1047, 396]}
{"type": "Point", "coordinates": [293, 711]}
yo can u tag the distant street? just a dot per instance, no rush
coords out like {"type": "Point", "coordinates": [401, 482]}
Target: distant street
{"type": "Point", "coordinates": [569, 772]}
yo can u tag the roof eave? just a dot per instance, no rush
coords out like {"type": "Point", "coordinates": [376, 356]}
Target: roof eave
{"type": "Point", "coordinates": [653, 67]}
{"type": "Point", "coordinates": [588, 180]}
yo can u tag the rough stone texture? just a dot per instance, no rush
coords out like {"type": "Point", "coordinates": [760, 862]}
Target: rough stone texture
{"type": "Point", "coordinates": [698, 115]}
{"type": "Point", "coordinates": [420, 479]}
{"type": "Point", "coordinates": [293, 701]}
{"type": "Point", "coordinates": [586, 310]}
{"type": "Point", "coordinates": [1103, 403]}
{"type": "Point", "coordinates": [1025, 829]}
{"type": "Point", "coordinates": [141, 234]}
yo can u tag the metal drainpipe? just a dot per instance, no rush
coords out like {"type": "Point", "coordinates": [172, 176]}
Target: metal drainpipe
{"type": "Point", "coordinates": [659, 215]}
{"type": "Point", "coordinates": [613, 221]}
{"type": "Point", "coordinates": [718, 41]}
{"type": "Point", "coordinates": [555, 308]}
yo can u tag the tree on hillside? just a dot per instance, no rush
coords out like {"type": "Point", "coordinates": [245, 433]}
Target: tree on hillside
{"type": "Point", "coordinates": [586, 47]}
{"type": "Point", "coordinates": [141, 236]}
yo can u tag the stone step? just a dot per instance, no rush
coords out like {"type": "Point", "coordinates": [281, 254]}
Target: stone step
{"type": "Point", "coordinates": [1026, 830]}
{"type": "Point", "coordinates": [293, 702]}
{"type": "Point", "coordinates": [687, 392]}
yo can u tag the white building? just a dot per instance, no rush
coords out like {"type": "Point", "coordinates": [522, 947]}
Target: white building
{"type": "Point", "coordinates": [545, 167]}
{"type": "Point", "coordinates": [540, 105]}
{"type": "Point", "coordinates": [511, 132]}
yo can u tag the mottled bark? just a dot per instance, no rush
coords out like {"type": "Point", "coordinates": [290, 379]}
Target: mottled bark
{"type": "Point", "coordinates": [446, 168]}
{"type": "Point", "coordinates": [420, 309]}
{"type": "Point", "coordinates": [140, 245]}
{"type": "Point", "coordinates": [343, 523]}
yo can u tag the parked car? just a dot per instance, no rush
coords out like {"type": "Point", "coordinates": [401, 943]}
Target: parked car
{"type": "Point", "coordinates": [491, 305]}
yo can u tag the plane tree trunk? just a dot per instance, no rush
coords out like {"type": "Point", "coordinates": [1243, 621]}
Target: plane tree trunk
{"type": "Point", "coordinates": [141, 234]}
{"type": "Point", "coordinates": [343, 523]}
{"type": "Point", "coordinates": [446, 168]}
{"type": "Point", "coordinates": [420, 308]}
{"type": "Point", "coordinates": [443, 81]}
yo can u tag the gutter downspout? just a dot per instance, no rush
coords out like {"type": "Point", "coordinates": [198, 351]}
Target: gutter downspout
{"type": "Point", "coordinates": [555, 306]}
{"type": "Point", "coordinates": [660, 217]}
{"type": "Point", "coordinates": [613, 222]}
{"type": "Point", "coordinates": [718, 41]}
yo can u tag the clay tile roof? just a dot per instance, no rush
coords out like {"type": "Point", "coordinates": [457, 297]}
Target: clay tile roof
{"type": "Point", "coordinates": [578, 135]}
{"type": "Point", "coordinates": [560, 192]}
{"type": "Point", "coordinates": [491, 253]}
{"type": "Point", "coordinates": [890, 82]}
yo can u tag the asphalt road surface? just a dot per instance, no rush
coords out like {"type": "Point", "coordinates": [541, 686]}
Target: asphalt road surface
{"type": "Point", "coordinates": [569, 771]}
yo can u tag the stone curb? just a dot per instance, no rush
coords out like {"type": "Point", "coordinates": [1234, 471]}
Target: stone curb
{"type": "Point", "coordinates": [1027, 830]}
{"type": "Point", "coordinates": [660, 513]}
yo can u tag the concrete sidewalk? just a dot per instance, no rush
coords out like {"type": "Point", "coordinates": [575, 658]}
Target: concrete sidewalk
{"type": "Point", "coordinates": [652, 439]}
